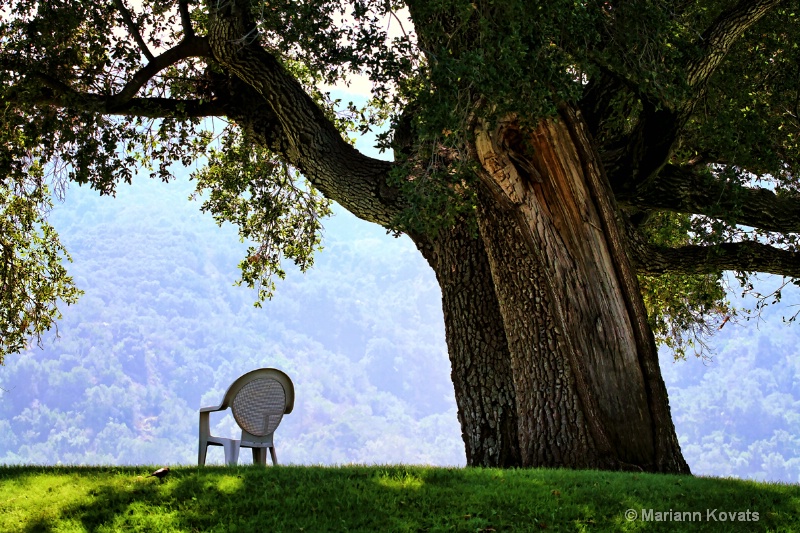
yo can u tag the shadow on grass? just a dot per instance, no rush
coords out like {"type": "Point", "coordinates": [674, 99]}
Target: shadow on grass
{"type": "Point", "coordinates": [318, 499]}
{"type": "Point", "coordinates": [79, 498]}
{"type": "Point", "coordinates": [211, 499]}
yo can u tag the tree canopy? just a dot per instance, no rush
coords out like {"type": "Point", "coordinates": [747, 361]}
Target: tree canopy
{"type": "Point", "coordinates": [692, 106]}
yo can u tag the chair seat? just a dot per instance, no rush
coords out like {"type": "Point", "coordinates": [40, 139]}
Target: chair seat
{"type": "Point", "coordinates": [220, 441]}
{"type": "Point", "coordinates": [230, 447]}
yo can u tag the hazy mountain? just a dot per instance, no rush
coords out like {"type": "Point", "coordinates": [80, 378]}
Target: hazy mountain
{"type": "Point", "coordinates": [162, 331]}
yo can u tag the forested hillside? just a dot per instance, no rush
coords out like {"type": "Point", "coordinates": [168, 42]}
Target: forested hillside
{"type": "Point", "coordinates": [162, 331]}
{"type": "Point", "coordinates": [739, 414]}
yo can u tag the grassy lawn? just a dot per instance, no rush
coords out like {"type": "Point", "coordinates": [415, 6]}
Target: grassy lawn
{"type": "Point", "coordinates": [383, 498]}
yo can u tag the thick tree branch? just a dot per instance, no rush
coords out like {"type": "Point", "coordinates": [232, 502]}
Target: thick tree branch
{"type": "Point", "coordinates": [133, 29]}
{"type": "Point", "coordinates": [720, 36]}
{"type": "Point", "coordinates": [59, 94]}
{"type": "Point", "coordinates": [310, 141]}
{"type": "Point", "coordinates": [596, 104]}
{"type": "Point", "coordinates": [169, 107]}
{"type": "Point", "coordinates": [743, 256]}
{"type": "Point", "coordinates": [190, 47]}
{"type": "Point", "coordinates": [54, 92]}
{"type": "Point", "coordinates": [186, 21]}
{"type": "Point", "coordinates": [636, 162]}
{"type": "Point", "coordinates": [697, 191]}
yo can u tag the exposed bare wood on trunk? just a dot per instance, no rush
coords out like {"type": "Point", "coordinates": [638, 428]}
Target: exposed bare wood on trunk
{"type": "Point", "coordinates": [577, 263]}
{"type": "Point", "coordinates": [667, 451]}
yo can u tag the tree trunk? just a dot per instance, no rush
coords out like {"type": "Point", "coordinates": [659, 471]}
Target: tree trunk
{"type": "Point", "coordinates": [545, 316]}
{"type": "Point", "coordinates": [589, 392]}
{"type": "Point", "coordinates": [476, 342]}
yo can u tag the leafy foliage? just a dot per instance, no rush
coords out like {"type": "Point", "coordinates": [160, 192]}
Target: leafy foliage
{"type": "Point", "coordinates": [73, 48]}
{"type": "Point", "coordinates": [260, 195]}
{"type": "Point", "coordinates": [32, 278]}
{"type": "Point", "coordinates": [683, 310]}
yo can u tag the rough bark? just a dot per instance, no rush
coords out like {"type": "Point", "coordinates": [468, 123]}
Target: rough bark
{"type": "Point", "coordinates": [589, 390]}
{"type": "Point", "coordinates": [309, 141]}
{"type": "Point", "coordinates": [476, 342]}
{"type": "Point", "coordinates": [746, 255]}
{"type": "Point", "coordinates": [722, 34]}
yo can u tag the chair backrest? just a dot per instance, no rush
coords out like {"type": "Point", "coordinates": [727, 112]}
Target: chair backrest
{"type": "Point", "coordinates": [259, 399]}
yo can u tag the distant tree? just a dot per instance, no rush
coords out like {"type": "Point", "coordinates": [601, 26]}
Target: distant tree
{"type": "Point", "coordinates": [577, 173]}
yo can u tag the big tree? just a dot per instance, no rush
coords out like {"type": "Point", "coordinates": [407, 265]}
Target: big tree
{"type": "Point", "coordinates": [578, 174]}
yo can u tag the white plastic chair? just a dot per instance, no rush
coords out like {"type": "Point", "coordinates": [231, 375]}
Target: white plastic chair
{"type": "Point", "coordinates": [258, 400]}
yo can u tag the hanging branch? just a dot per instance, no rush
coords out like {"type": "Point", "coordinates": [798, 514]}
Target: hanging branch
{"type": "Point", "coordinates": [133, 29]}
{"type": "Point", "coordinates": [186, 21]}
{"type": "Point", "coordinates": [746, 256]}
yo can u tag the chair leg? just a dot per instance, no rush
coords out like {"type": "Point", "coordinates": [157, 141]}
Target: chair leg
{"type": "Point", "coordinates": [201, 454]}
{"type": "Point", "coordinates": [274, 456]}
{"type": "Point", "coordinates": [259, 456]}
{"type": "Point", "coordinates": [231, 452]}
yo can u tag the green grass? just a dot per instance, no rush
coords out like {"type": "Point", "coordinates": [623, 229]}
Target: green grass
{"type": "Point", "coordinates": [377, 499]}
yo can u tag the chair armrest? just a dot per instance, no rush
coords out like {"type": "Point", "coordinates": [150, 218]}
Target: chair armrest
{"type": "Point", "coordinates": [205, 426]}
